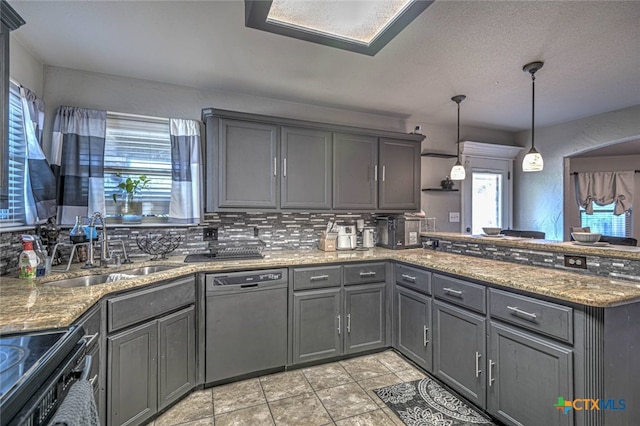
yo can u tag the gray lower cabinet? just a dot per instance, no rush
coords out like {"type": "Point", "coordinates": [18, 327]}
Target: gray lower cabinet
{"type": "Point", "coordinates": [459, 348]}
{"type": "Point", "coordinates": [150, 366]}
{"type": "Point", "coordinates": [151, 350]}
{"type": "Point", "coordinates": [413, 324]}
{"type": "Point", "coordinates": [399, 175]}
{"type": "Point", "coordinates": [526, 375]}
{"type": "Point", "coordinates": [305, 180]}
{"type": "Point", "coordinates": [355, 168]}
{"type": "Point", "coordinates": [92, 322]}
{"type": "Point", "coordinates": [317, 324]}
{"type": "Point", "coordinates": [329, 319]}
{"type": "Point", "coordinates": [365, 317]}
{"type": "Point", "coordinates": [132, 384]}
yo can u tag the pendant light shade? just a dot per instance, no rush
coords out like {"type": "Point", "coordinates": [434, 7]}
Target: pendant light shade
{"type": "Point", "coordinates": [532, 162]}
{"type": "Point", "coordinates": [457, 171]}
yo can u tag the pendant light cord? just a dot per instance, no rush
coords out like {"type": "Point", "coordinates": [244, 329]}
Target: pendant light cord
{"type": "Point", "coordinates": [458, 140]}
{"type": "Point", "coordinates": [533, 108]}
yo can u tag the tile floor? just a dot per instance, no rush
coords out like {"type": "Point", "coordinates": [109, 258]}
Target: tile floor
{"type": "Point", "coordinates": [338, 393]}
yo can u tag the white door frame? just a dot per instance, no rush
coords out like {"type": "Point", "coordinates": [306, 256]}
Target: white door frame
{"type": "Point", "coordinates": [487, 151]}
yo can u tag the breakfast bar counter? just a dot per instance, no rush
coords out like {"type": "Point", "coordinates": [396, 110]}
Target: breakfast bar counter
{"type": "Point", "coordinates": [34, 305]}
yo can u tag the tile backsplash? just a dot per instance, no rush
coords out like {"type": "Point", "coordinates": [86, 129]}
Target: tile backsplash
{"type": "Point", "coordinates": [280, 231]}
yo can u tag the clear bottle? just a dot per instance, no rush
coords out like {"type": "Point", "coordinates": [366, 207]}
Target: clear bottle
{"type": "Point", "coordinates": [42, 257]}
{"type": "Point", "coordinates": [77, 234]}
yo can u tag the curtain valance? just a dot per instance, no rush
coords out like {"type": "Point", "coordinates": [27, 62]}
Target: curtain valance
{"type": "Point", "coordinates": [605, 188]}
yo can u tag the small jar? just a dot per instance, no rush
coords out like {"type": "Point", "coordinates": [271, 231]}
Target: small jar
{"type": "Point", "coordinates": [77, 235]}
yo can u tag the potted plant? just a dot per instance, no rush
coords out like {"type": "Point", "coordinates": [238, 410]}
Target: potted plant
{"type": "Point", "coordinates": [129, 188]}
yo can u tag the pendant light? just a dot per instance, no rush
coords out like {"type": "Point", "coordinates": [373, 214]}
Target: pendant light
{"type": "Point", "coordinates": [457, 171]}
{"type": "Point", "coordinates": [532, 162]}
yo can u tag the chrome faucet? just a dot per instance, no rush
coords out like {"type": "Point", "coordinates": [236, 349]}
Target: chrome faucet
{"type": "Point", "coordinates": [105, 256]}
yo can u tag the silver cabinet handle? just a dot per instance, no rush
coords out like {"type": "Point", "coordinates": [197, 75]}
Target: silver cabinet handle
{"type": "Point", "coordinates": [275, 166]}
{"type": "Point", "coordinates": [367, 274]}
{"type": "Point", "coordinates": [491, 378]}
{"type": "Point", "coordinates": [519, 312]}
{"type": "Point", "coordinates": [478, 371]}
{"type": "Point", "coordinates": [409, 278]}
{"type": "Point", "coordinates": [93, 379]}
{"type": "Point", "coordinates": [453, 292]}
{"type": "Point", "coordinates": [375, 172]}
{"type": "Point", "coordinates": [339, 324]}
{"type": "Point", "coordinates": [348, 323]}
{"type": "Point", "coordinates": [284, 167]}
{"type": "Point", "coordinates": [319, 278]}
{"type": "Point", "coordinates": [91, 338]}
{"type": "Point", "coordinates": [426, 335]}
{"type": "Point", "coordinates": [383, 170]}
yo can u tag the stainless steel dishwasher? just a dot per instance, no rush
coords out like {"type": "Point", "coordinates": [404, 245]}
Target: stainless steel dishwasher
{"type": "Point", "coordinates": [246, 323]}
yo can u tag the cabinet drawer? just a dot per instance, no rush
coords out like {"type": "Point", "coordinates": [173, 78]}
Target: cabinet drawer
{"type": "Point", "coordinates": [414, 278]}
{"type": "Point", "coordinates": [463, 293]}
{"type": "Point", "coordinates": [91, 321]}
{"type": "Point", "coordinates": [132, 308]}
{"type": "Point", "coordinates": [317, 277]}
{"type": "Point", "coordinates": [362, 273]}
{"type": "Point", "coordinates": [537, 315]}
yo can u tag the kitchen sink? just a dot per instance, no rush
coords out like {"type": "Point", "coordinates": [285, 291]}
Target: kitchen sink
{"type": "Point", "coordinates": [89, 280]}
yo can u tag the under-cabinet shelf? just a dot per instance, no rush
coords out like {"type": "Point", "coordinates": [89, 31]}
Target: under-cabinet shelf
{"type": "Point", "coordinates": [438, 155]}
{"type": "Point", "coordinates": [439, 190]}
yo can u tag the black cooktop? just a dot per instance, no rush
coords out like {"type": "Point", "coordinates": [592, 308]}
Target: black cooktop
{"type": "Point", "coordinates": [20, 353]}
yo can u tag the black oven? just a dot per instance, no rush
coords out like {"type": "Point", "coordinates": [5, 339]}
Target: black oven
{"type": "Point", "coordinates": [36, 371]}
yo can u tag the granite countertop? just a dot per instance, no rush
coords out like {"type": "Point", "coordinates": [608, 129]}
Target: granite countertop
{"type": "Point", "coordinates": [571, 247]}
{"type": "Point", "coordinates": [34, 305]}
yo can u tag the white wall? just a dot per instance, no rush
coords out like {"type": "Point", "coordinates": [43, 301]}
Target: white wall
{"type": "Point", "coordinates": [25, 68]}
{"type": "Point", "coordinates": [101, 91]}
{"type": "Point", "coordinates": [539, 197]}
{"type": "Point", "coordinates": [443, 139]}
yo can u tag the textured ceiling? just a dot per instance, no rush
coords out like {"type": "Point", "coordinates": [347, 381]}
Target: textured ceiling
{"type": "Point", "coordinates": [591, 52]}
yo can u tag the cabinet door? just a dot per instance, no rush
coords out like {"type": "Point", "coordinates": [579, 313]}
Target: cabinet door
{"type": "Point", "coordinates": [355, 160]}
{"type": "Point", "coordinates": [132, 384]}
{"type": "Point", "coordinates": [413, 325]}
{"type": "Point", "coordinates": [399, 178]}
{"type": "Point", "coordinates": [177, 357]}
{"type": "Point", "coordinates": [365, 317]}
{"type": "Point", "coordinates": [526, 375]}
{"type": "Point", "coordinates": [306, 168]}
{"type": "Point", "coordinates": [317, 325]}
{"type": "Point", "coordinates": [248, 164]}
{"type": "Point", "coordinates": [459, 346]}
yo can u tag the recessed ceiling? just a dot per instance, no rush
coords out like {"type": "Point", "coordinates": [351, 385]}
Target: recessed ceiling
{"type": "Point", "coordinates": [591, 52]}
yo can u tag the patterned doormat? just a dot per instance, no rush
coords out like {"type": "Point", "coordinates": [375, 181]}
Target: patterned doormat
{"type": "Point", "coordinates": [426, 403]}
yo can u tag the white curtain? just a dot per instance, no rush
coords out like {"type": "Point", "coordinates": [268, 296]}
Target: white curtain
{"type": "Point", "coordinates": [605, 188]}
{"type": "Point", "coordinates": [186, 166]}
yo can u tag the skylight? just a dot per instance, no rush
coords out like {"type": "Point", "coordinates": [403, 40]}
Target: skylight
{"type": "Point", "coordinates": [355, 21]}
{"type": "Point", "coordinates": [363, 26]}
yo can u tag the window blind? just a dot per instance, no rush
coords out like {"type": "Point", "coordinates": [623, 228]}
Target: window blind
{"type": "Point", "coordinates": [603, 221]}
{"type": "Point", "coordinates": [138, 145]}
{"type": "Point", "coordinates": [12, 210]}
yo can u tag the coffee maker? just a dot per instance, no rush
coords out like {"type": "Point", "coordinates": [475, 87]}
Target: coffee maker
{"type": "Point", "coordinates": [346, 237]}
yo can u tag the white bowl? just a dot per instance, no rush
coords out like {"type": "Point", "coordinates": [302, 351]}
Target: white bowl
{"type": "Point", "coordinates": [492, 231]}
{"type": "Point", "coordinates": [586, 237]}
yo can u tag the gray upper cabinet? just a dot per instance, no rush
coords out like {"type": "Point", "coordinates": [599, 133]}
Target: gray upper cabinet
{"type": "Point", "coordinates": [248, 164]}
{"type": "Point", "coordinates": [399, 175]}
{"type": "Point", "coordinates": [355, 165]}
{"type": "Point", "coordinates": [262, 162]}
{"type": "Point", "coordinates": [306, 168]}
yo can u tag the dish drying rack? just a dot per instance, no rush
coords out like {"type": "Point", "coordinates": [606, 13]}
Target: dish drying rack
{"type": "Point", "coordinates": [237, 249]}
